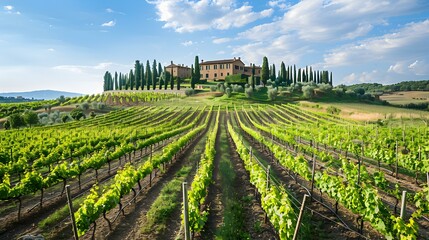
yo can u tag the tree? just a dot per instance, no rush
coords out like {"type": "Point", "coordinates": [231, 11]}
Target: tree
{"type": "Point", "coordinates": [192, 77]}
{"type": "Point", "coordinates": [148, 75]}
{"type": "Point", "coordinates": [299, 75]}
{"type": "Point", "coordinates": [273, 73]}
{"type": "Point", "coordinates": [253, 77]}
{"type": "Point", "coordinates": [132, 79]}
{"type": "Point", "coordinates": [108, 81]}
{"type": "Point", "coordinates": [195, 74]}
{"type": "Point", "coordinates": [143, 81]}
{"type": "Point", "coordinates": [154, 74]}
{"type": "Point", "coordinates": [178, 83]}
{"type": "Point", "coordinates": [30, 117]}
{"type": "Point", "coordinates": [166, 78]}
{"type": "Point", "coordinates": [77, 114]}
{"type": "Point", "coordinates": [15, 120]}
{"type": "Point", "coordinates": [330, 79]}
{"type": "Point", "coordinates": [137, 72]}
{"type": "Point", "coordinates": [283, 75]}
{"type": "Point", "coordinates": [61, 99]}
{"type": "Point", "coordinates": [265, 75]}
{"type": "Point", "coordinates": [171, 81]}
{"type": "Point", "coordinates": [159, 75]}
{"type": "Point", "coordinates": [294, 74]}
{"type": "Point", "coordinates": [116, 81]}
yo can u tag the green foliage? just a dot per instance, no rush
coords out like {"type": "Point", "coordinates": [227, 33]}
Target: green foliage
{"type": "Point", "coordinates": [189, 92]}
{"type": "Point", "coordinates": [236, 78]}
{"type": "Point", "coordinates": [333, 110]}
{"type": "Point", "coordinates": [77, 114]}
{"type": "Point", "coordinates": [265, 72]}
{"type": "Point", "coordinates": [228, 92]}
{"type": "Point", "coordinates": [30, 118]}
{"type": "Point", "coordinates": [16, 120]}
{"type": "Point", "coordinates": [308, 91]}
{"type": "Point", "coordinates": [272, 93]}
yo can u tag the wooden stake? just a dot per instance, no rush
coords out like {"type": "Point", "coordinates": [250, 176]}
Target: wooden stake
{"type": "Point", "coordinates": [70, 203]}
{"type": "Point", "coordinates": [313, 170]}
{"type": "Point", "coordinates": [185, 210]}
{"type": "Point", "coordinates": [403, 204]}
{"type": "Point", "coordinates": [298, 222]}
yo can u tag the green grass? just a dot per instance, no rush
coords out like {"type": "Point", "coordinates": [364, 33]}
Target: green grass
{"type": "Point", "coordinates": [165, 204]}
{"type": "Point", "coordinates": [233, 226]}
{"type": "Point", "coordinates": [60, 214]}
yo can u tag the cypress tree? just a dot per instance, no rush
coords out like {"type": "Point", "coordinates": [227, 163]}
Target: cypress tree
{"type": "Point", "coordinates": [143, 79]}
{"type": "Point", "coordinates": [154, 74]}
{"type": "Point", "coordinates": [299, 75]}
{"type": "Point", "coordinates": [116, 81]}
{"type": "Point", "coordinates": [311, 74]}
{"type": "Point", "coordinates": [137, 73]}
{"type": "Point", "coordinates": [283, 75]}
{"type": "Point", "coordinates": [265, 75]}
{"type": "Point", "coordinates": [197, 70]}
{"type": "Point", "coordinates": [159, 75]}
{"type": "Point", "coordinates": [171, 82]}
{"type": "Point", "coordinates": [132, 79]}
{"type": "Point", "coordinates": [148, 75]}
{"type": "Point", "coordinates": [166, 78]}
{"type": "Point", "coordinates": [178, 83]}
{"type": "Point", "coordinates": [193, 77]}
{"type": "Point", "coordinates": [273, 73]}
{"type": "Point", "coordinates": [330, 79]}
{"type": "Point", "coordinates": [294, 74]}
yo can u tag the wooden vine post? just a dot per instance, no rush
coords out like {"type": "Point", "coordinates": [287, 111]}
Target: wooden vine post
{"type": "Point", "coordinates": [298, 221]}
{"type": "Point", "coordinates": [403, 204]}
{"type": "Point", "coordinates": [70, 204]}
{"type": "Point", "coordinates": [268, 186]}
{"type": "Point", "coordinates": [186, 211]}
{"type": "Point", "coordinates": [313, 171]}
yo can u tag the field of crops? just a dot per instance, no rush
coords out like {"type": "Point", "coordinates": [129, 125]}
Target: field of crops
{"type": "Point", "coordinates": [248, 169]}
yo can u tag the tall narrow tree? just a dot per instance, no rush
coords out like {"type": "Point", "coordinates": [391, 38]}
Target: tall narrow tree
{"type": "Point", "coordinates": [116, 81]}
{"type": "Point", "coordinates": [178, 83]}
{"type": "Point", "coordinates": [193, 77]}
{"type": "Point", "coordinates": [265, 75]}
{"type": "Point", "coordinates": [197, 72]}
{"type": "Point", "coordinates": [171, 82]}
{"type": "Point", "coordinates": [283, 74]}
{"type": "Point", "coordinates": [159, 75]}
{"type": "Point", "coordinates": [154, 74]}
{"type": "Point", "coordinates": [137, 73]}
{"type": "Point", "coordinates": [253, 77]}
{"type": "Point", "coordinates": [148, 75]}
{"type": "Point", "coordinates": [273, 72]}
{"type": "Point", "coordinates": [294, 74]}
{"type": "Point", "coordinates": [166, 78]}
{"type": "Point", "coordinates": [132, 79]}
{"type": "Point", "coordinates": [143, 79]}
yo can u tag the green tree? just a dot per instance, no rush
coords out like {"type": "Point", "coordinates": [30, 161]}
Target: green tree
{"type": "Point", "coordinates": [196, 74]}
{"type": "Point", "coordinates": [265, 75]}
{"type": "Point", "coordinates": [283, 75]}
{"type": "Point", "coordinates": [160, 72]}
{"type": "Point", "coordinates": [294, 74]}
{"type": "Point", "coordinates": [142, 79]}
{"type": "Point", "coordinates": [16, 120]}
{"type": "Point", "coordinates": [132, 79]}
{"type": "Point", "coordinates": [148, 75]}
{"type": "Point", "coordinates": [171, 81]}
{"type": "Point", "coordinates": [192, 77]}
{"type": "Point", "coordinates": [30, 118]}
{"type": "Point", "coordinates": [116, 81]}
{"type": "Point", "coordinates": [137, 72]}
{"type": "Point", "coordinates": [178, 83]}
{"type": "Point", "coordinates": [273, 73]}
{"type": "Point", "coordinates": [154, 74]}
{"type": "Point", "coordinates": [77, 114]}
{"type": "Point", "coordinates": [166, 78]}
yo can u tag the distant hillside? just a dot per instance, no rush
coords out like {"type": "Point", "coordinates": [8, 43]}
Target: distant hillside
{"type": "Point", "coordinates": [41, 94]}
{"type": "Point", "coordinates": [402, 86]}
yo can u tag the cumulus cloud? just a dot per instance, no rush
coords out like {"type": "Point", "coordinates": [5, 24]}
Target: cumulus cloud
{"type": "Point", "coordinates": [221, 40]}
{"type": "Point", "coordinates": [82, 68]}
{"type": "Point", "coordinates": [8, 8]}
{"type": "Point", "coordinates": [188, 43]}
{"type": "Point", "coordinates": [109, 24]}
{"type": "Point", "coordinates": [190, 16]}
{"type": "Point", "coordinates": [409, 41]}
{"type": "Point", "coordinates": [278, 3]}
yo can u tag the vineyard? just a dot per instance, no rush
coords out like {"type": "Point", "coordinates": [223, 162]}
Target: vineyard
{"type": "Point", "coordinates": [251, 171]}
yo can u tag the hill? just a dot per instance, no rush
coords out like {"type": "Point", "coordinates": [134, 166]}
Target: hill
{"type": "Point", "coordinates": [41, 94]}
{"type": "Point", "coordinates": [422, 85]}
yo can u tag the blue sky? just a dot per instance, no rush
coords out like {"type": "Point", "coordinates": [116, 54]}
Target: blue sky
{"type": "Point", "coordinates": [69, 44]}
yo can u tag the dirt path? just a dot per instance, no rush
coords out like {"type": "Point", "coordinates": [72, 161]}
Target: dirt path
{"type": "Point", "coordinates": [234, 212]}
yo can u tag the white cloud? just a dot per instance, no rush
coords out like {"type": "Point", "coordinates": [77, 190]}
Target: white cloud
{"type": "Point", "coordinates": [221, 52]}
{"type": "Point", "coordinates": [109, 10]}
{"type": "Point", "coordinates": [188, 43]}
{"type": "Point", "coordinates": [364, 77]}
{"type": "Point", "coordinates": [397, 68]}
{"type": "Point", "coordinates": [407, 42]}
{"type": "Point", "coordinates": [82, 68]}
{"type": "Point", "coordinates": [51, 50]}
{"type": "Point", "coordinates": [278, 3]}
{"type": "Point", "coordinates": [221, 40]}
{"type": "Point", "coordinates": [419, 67]}
{"type": "Point", "coordinates": [8, 8]}
{"type": "Point", "coordinates": [190, 16]}
{"type": "Point", "coordinates": [109, 24]}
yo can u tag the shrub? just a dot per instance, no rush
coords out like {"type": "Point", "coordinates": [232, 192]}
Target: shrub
{"type": "Point", "coordinates": [272, 94]}
{"type": "Point", "coordinates": [308, 91]}
{"type": "Point", "coordinates": [236, 78]}
{"type": "Point", "coordinates": [77, 114]}
{"type": "Point", "coordinates": [333, 110]}
{"type": "Point", "coordinates": [228, 92]}
{"type": "Point", "coordinates": [325, 87]}
{"type": "Point", "coordinates": [248, 92]}
{"type": "Point", "coordinates": [213, 88]}
{"type": "Point", "coordinates": [189, 92]}
{"type": "Point", "coordinates": [258, 88]}
{"type": "Point", "coordinates": [350, 93]}
{"type": "Point", "coordinates": [237, 88]}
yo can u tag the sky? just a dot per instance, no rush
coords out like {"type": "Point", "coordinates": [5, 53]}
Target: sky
{"type": "Point", "coordinates": [69, 44]}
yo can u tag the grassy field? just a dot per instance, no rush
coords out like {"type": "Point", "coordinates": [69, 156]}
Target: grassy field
{"type": "Point", "coordinates": [400, 98]}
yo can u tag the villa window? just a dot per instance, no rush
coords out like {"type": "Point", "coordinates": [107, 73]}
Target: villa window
{"type": "Point", "coordinates": [207, 75]}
